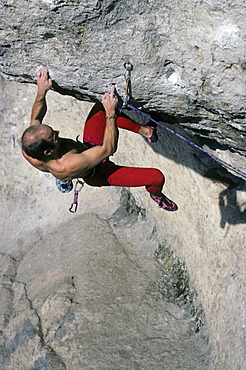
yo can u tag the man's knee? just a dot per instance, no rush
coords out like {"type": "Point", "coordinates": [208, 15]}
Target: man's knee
{"type": "Point", "coordinates": [158, 176]}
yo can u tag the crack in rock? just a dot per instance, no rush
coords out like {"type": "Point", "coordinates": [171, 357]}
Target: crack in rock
{"type": "Point", "coordinates": [19, 328]}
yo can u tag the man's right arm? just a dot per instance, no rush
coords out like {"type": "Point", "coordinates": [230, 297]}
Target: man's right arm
{"type": "Point", "coordinates": [111, 133]}
{"type": "Point", "coordinates": [91, 157]}
{"type": "Point", "coordinates": [39, 108]}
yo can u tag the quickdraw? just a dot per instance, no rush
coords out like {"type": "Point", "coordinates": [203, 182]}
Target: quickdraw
{"type": "Point", "coordinates": [78, 187]}
{"type": "Point", "coordinates": [127, 90]}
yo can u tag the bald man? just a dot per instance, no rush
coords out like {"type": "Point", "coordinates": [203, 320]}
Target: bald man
{"type": "Point", "coordinates": [67, 159]}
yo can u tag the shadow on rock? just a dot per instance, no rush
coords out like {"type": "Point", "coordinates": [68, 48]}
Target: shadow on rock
{"type": "Point", "coordinates": [171, 146]}
{"type": "Point", "coordinates": [231, 209]}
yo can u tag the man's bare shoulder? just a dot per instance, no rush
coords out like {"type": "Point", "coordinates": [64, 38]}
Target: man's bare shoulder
{"type": "Point", "coordinates": [70, 165]}
{"type": "Point", "coordinates": [65, 168]}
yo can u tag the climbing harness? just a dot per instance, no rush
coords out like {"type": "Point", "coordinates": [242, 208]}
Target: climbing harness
{"type": "Point", "coordinates": [78, 187]}
{"type": "Point", "coordinates": [128, 67]}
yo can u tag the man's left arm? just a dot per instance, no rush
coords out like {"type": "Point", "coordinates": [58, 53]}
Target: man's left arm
{"type": "Point", "coordinates": [39, 108]}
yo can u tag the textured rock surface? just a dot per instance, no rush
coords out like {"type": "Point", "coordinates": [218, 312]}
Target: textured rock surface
{"type": "Point", "coordinates": [185, 269]}
{"type": "Point", "coordinates": [188, 57]}
{"type": "Point", "coordinates": [87, 304]}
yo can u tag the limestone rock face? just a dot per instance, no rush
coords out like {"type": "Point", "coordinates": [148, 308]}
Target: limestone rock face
{"type": "Point", "coordinates": [120, 281]}
{"type": "Point", "coordinates": [88, 304]}
{"type": "Point", "coordinates": [188, 57]}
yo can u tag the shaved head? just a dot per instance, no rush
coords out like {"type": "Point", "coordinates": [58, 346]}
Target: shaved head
{"type": "Point", "coordinates": [37, 139]}
{"type": "Point", "coordinates": [35, 133]}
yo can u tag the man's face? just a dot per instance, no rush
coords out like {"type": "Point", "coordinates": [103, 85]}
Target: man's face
{"type": "Point", "coordinates": [47, 133]}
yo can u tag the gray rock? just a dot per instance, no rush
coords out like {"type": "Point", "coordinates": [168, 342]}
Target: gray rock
{"type": "Point", "coordinates": [183, 269]}
{"type": "Point", "coordinates": [188, 58]}
{"type": "Point", "coordinates": [80, 301]}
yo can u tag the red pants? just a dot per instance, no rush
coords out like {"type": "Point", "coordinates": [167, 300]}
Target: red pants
{"type": "Point", "coordinates": [108, 173]}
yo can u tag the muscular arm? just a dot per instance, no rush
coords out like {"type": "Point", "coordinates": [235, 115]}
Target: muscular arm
{"type": "Point", "coordinates": [39, 108]}
{"type": "Point", "coordinates": [75, 163]}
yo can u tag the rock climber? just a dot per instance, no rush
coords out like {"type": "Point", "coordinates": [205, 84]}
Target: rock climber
{"type": "Point", "coordinates": [67, 159]}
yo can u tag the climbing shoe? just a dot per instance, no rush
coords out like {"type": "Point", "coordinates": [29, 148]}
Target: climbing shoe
{"type": "Point", "coordinates": [165, 203]}
{"type": "Point", "coordinates": [154, 137]}
{"type": "Point", "coordinates": [64, 186]}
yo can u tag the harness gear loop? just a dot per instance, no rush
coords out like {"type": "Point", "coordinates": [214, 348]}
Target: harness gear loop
{"type": "Point", "coordinates": [128, 68]}
{"type": "Point", "coordinates": [78, 187]}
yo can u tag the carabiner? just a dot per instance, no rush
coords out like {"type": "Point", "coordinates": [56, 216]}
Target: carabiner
{"type": "Point", "coordinates": [128, 66]}
{"type": "Point", "coordinates": [78, 186]}
{"type": "Point", "coordinates": [75, 207]}
{"type": "Point", "coordinates": [78, 182]}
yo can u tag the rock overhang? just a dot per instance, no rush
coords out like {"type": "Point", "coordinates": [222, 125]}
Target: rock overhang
{"type": "Point", "coordinates": [188, 58]}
